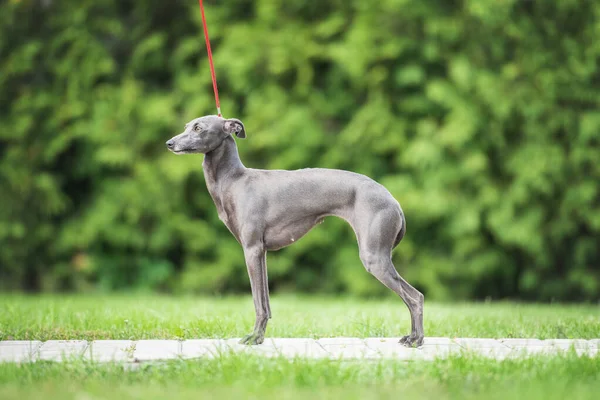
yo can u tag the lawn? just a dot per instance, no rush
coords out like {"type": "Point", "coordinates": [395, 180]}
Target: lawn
{"type": "Point", "coordinates": [245, 376]}
{"type": "Point", "coordinates": [242, 377]}
{"type": "Point", "coordinates": [161, 317]}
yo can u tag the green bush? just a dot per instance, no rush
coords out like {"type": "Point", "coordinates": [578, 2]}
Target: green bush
{"type": "Point", "coordinates": [480, 116]}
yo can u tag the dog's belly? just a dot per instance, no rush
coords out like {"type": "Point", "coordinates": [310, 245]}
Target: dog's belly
{"type": "Point", "coordinates": [286, 232]}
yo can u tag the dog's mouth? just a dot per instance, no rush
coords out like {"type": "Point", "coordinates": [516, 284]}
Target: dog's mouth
{"type": "Point", "coordinates": [183, 151]}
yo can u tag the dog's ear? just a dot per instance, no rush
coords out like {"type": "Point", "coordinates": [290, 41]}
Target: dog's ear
{"type": "Point", "coordinates": [233, 125]}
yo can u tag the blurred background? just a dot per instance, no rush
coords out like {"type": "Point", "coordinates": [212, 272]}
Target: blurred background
{"type": "Point", "coordinates": [482, 117]}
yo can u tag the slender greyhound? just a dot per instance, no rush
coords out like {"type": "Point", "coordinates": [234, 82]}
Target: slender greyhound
{"type": "Point", "coordinates": [271, 209]}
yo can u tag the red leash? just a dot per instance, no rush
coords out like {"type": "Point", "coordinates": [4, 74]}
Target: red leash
{"type": "Point", "coordinates": [210, 60]}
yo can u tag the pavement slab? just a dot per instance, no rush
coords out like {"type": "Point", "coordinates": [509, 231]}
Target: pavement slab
{"type": "Point", "coordinates": [347, 348]}
{"type": "Point", "coordinates": [152, 350]}
{"type": "Point", "coordinates": [485, 347]}
{"type": "Point", "coordinates": [199, 348]}
{"type": "Point", "coordinates": [62, 350]}
{"type": "Point", "coordinates": [19, 350]}
{"type": "Point", "coordinates": [337, 348]}
{"type": "Point", "coordinates": [110, 350]}
{"type": "Point", "coordinates": [291, 347]}
{"type": "Point", "coordinates": [431, 348]}
{"type": "Point", "coordinates": [480, 343]}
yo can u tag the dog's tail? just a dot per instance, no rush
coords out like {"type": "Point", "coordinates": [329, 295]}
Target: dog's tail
{"type": "Point", "coordinates": [402, 231]}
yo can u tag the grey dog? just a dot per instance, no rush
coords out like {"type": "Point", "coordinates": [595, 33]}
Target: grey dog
{"type": "Point", "coordinates": [271, 209]}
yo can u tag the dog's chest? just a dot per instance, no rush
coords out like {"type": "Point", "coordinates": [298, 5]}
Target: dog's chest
{"type": "Point", "coordinates": [225, 217]}
{"type": "Point", "coordinates": [226, 212]}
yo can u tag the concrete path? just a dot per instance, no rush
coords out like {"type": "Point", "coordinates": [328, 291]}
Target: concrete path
{"type": "Point", "coordinates": [331, 348]}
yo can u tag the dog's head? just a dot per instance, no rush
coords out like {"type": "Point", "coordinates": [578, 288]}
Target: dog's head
{"type": "Point", "coordinates": [204, 134]}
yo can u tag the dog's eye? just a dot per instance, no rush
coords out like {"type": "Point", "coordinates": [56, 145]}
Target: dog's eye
{"type": "Point", "coordinates": [196, 128]}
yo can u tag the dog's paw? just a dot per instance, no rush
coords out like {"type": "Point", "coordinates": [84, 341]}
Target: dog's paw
{"type": "Point", "coordinates": [252, 339]}
{"type": "Point", "coordinates": [411, 341]}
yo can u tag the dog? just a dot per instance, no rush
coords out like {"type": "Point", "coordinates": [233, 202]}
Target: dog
{"type": "Point", "coordinates": [270, 209]}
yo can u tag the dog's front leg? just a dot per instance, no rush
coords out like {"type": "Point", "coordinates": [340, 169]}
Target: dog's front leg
{"type": "Point", "coordinates": [256, 261]}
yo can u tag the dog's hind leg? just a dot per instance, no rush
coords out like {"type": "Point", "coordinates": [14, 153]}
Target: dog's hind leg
{"type": "Point", "coordinates": [375, 245]}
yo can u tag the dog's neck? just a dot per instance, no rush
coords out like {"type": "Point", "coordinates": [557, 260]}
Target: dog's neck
{"type": "Point", "coordinates": [222, 165]}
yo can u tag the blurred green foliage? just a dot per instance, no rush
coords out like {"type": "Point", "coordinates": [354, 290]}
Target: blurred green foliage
{"type": "Point", "coordinates": [481, 116]}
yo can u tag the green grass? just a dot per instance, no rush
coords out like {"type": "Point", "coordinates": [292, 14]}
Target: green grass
{"type": "Point", "coordinates": [150, 317]}
{"type": "Point", "coordinates": [246, 377]}
{"type": "Point", "coordinates": [242, 377]}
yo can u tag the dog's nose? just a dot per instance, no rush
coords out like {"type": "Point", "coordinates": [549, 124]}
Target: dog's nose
{"type": "Point", "coordinates": [170, 143]}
